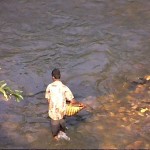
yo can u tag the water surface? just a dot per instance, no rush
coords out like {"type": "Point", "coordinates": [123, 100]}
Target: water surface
{"type": "Point", "coordinates": [98, 46]}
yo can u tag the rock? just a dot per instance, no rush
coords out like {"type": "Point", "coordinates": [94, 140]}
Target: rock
{"type": "Point", "coordinates": [147, 77]}
{"type": "Point", "coordinates": [31, 137]}
{"type": "Point", "coordinates": [140, 114]}
{"type": "Point", "coordinates": [139, 89]}
{"type": "Point", "coordinates": [135, 107]}
{"type": "Point", "coordinates": [112, 114]}
{"type": "Point", "coordinates": [122, 109]}
{"type": "Point", "coordinates": [118, 102]}
{"type": "Point", "coordinates": [11, 126]}
{"type": "Point", "coordinates": [108, 146]}
{"type": "Point", "coordinates": [128, 128]}
{"type": "Point", "coordinates": [124, 119]}
{"type": "Point", "coordinates": [135, 145]}
{"type": "Point", "coordinates": [100, 127]}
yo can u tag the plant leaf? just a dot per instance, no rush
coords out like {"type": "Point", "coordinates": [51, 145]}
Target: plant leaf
{"type": "Point", "coordinates": [4, 93]}
{"type": "Point", "coordinates": [3, 85]}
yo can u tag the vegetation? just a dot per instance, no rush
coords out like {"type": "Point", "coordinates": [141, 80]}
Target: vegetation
{"type": "Point", "coordinates": [8, 92]}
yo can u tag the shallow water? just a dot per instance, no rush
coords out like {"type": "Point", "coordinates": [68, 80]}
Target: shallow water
{"type": "Point", "coordinates": [98, 45]}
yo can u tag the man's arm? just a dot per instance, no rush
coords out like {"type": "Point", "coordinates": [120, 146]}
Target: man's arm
{"type": "Point", "coordinates": [48, 100]}
{"type": "Point", "coordinates": [47, 94]}
{"type": "Point", "coordinates": [69, 97]}
{"type": "Point", "coordinates": [73, 101]}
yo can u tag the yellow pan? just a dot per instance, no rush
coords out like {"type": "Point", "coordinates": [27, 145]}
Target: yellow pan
{"type": "Point", "coordinates": [73, 109]}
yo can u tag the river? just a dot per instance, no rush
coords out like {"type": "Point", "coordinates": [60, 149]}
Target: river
{"type": "Point", "coordinates": [97, 44]}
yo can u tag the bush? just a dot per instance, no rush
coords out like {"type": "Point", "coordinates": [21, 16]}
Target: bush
{"type": "Point", "coordinates": [8, 92]}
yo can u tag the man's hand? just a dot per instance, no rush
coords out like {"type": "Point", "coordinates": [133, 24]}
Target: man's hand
{"type": "Point", "coordinates": [73, 101]}
{"type": "Point", "coordinates": [82, 105]}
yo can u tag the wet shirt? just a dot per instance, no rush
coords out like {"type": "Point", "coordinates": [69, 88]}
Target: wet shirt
{"type": "Point", "coordinates": [57, 93]}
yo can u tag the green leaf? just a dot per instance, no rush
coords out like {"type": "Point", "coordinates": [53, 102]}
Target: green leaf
{"type": "Point", "coordinates": [7, 91]}
{"type": "Point", "coordinates": [4, 93]}
{"type": "Point", "coordinates": [3, 85]}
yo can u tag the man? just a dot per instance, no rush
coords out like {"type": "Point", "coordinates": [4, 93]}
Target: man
{"type": "Point", "coordinates": [57, 94]}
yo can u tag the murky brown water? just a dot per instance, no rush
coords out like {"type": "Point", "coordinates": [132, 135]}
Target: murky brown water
{"type": "Point", "coordinates": [98, 45]}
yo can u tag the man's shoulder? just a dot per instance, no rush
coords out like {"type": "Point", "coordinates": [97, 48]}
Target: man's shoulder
{"type": "Point", "coordinates": [55, 84]}
{"type": "Point", "coordinates": [50, 84]}
{"type": "Point", "coordinates": [65, 87]}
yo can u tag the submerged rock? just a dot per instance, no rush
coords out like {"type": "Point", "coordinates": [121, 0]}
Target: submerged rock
{"type": "Point", "coordinates": [135, 145]}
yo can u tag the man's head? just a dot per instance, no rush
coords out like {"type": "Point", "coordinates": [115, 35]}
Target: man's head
{"type": "Point", "coordinates": [56, 73]}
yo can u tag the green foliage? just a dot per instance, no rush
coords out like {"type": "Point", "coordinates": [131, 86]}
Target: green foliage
{"type": "Point", "coordinates": [8, 92]}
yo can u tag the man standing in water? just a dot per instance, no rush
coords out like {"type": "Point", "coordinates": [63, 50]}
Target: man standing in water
{"type": "Point", "coordinates": [57, 94]}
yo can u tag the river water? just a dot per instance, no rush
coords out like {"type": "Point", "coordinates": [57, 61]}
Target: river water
{"type": "Point", "coordinates": [97, 44]}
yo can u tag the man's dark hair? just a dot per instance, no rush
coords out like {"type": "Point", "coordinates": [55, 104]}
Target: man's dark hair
{"type": "Point", "coordinates": [56, 73]}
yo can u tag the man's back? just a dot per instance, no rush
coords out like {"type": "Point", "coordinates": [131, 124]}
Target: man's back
{"type": "Point", "coordinates": [57, 92]}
